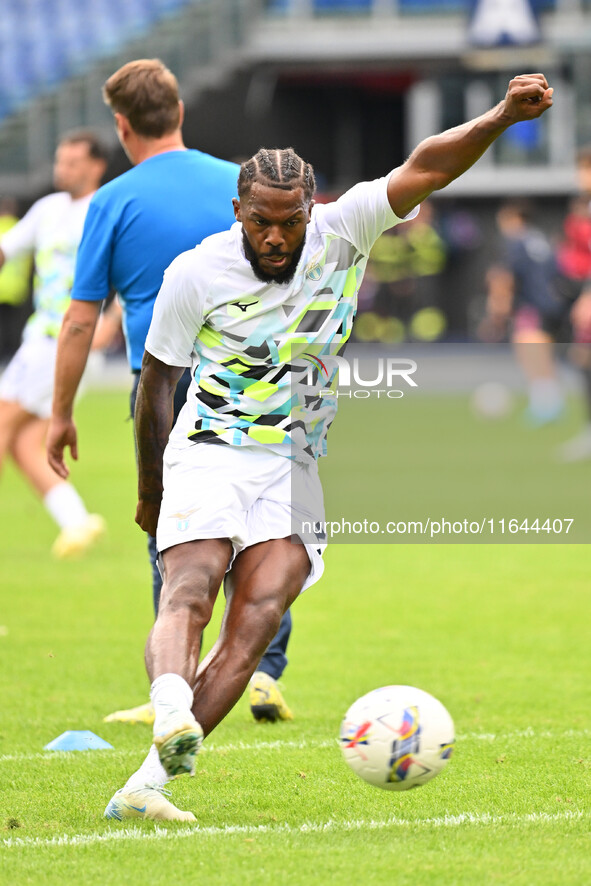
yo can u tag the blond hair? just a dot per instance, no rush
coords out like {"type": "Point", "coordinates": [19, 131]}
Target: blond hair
{"type": "Point", "coordinates": [147, 93]}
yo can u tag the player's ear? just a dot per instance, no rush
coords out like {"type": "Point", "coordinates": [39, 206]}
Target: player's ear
{"type": "Point", "coordinates": [181, 112]}
{"type": "Point", "coordinates": [236, 205]}
{"type": "Point", "coordinates": [122, 125]}
{"type": "Point", "coordinates": [310, 208]}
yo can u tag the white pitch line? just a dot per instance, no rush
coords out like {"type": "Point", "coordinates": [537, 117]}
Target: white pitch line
{"type": "Point", "coordinates": [211, 748]}
{"type": "Point", "coordinates": [301, 745]}
{"type": "Point", "coordinates": [310, 827]}
{"type": "Point", "coordinates": [524, 733]}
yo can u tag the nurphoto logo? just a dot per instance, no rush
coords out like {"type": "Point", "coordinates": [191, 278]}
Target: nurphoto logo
{"type": "Point", "coordinates": [361, 378]}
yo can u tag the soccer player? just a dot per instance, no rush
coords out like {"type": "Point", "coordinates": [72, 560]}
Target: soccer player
{"type": "Point", "coordinates": [524, 288]}
{"type": "Point", "coordinates": [50, 232]}
{"type": "Point", "coordinates": [247, 307]}
{"type": "Point", "coordinates": [136, 225]}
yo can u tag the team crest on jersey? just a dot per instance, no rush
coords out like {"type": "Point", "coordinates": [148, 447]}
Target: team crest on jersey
{"type": "Point", "coordinates": [314, 272]}
{"type": "Point", "coordinates": [182, 520]}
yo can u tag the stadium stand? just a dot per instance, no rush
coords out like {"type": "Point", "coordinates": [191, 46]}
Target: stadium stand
{"type": "Point", "coordinates": [356, 7]}
{"type": "Point", "coordinates": [44, 41]}
{"type": "Point", "coordinates": [55, 55]}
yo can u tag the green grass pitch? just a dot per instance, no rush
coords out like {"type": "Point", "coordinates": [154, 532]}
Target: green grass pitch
{"type": "Point", "coordinates": [500, 633]}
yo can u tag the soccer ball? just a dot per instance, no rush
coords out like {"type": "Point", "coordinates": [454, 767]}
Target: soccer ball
{"type": "Point", "coordinates": [397, 737]}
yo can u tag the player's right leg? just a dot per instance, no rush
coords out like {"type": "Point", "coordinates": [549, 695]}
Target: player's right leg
{"type": "Point", "coordinates": [144, 713]}
{"type": "Point", "coordinates": [26, 389]}
{"type": "Point", "coordinates": [79, 530]}
{"type": "Point", "coordinates": [147, 802]}
{"type": "Point", "coordinates": [145, 796]}
{"type": "Point", "coordinates": [12, 416]}
{"type": "Point", "coordinates": [193, 573]}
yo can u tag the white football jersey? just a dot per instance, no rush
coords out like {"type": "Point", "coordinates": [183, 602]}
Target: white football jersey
{"type": "Point", "coordinates": [51, 230]}
{"type": "Point", "coordinates": [252, 346]}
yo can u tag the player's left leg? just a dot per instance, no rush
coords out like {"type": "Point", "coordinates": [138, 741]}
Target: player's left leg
{"type": "Point", "coordinates": [534, 349]}
{"type": "Point", "coordinates": [265, 580]}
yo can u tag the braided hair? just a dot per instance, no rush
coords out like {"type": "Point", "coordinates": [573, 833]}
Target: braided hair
{"type": "Point", "coordinates": [277, 168]}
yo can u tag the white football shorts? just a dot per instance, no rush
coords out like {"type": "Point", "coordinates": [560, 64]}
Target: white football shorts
{"type": "Point", "coordinates": [28, 378]}
{"type": "Point", "coordinates": [246, 494]}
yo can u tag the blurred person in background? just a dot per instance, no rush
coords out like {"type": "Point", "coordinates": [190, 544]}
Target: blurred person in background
{"type": "Point", "coordinates": [404, 278]}
{"type": "Point", "coordinates": [525, 301]}
{"type": "Point", "coordinates": [15, 286]}
{"type": "Point", "coordinates": [574, 260]}
{"type": "Point", "coordinates": [50, 232]}
{"type": "Point", "coordinates": [137, 224]}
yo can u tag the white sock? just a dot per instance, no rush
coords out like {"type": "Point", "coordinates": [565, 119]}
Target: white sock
{"type": "Point", "coordinates": [261, 675]}
{"type": "Point", "coordinates": [170, 691]}
{"type": "Point", "coordinates": [545, 395]}
{"type": "Point", "coordinates": [65, 506]}
{"type": "Point", "coordinates": [151, 772]}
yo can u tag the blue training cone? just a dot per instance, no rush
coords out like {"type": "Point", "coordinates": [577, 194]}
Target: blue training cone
{"type": "Point", "coordinates": [78, 740]}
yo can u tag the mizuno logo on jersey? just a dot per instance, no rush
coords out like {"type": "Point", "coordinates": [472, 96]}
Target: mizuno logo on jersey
{"type": "Point", "coordinates": [244, 305]}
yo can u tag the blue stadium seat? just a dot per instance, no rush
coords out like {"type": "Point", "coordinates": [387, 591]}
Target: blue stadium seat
{"type": "Point", "coordinates": [341, 6]}
{"type": "Point", "coordinates": [167, 6]}
{"type": "Point", "coordinates": [18, 75]}
{"type": "Point", "coordinates": [44, 41]}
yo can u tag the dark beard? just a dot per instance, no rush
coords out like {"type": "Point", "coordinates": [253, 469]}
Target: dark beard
{"type": "Point", "coordinates": [285, 276]}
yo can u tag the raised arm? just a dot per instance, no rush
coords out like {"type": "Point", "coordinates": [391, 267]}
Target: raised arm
{"type": "Point", "coordinates": [153, 422]}
{"type": "Point", "coordinates": [438, 160]}
{"type": "Point", "coordinates": [74, 343]}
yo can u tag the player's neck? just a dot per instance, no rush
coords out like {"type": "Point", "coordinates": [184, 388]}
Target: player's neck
{"type": "Point", "coordinates": [147, 148]}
